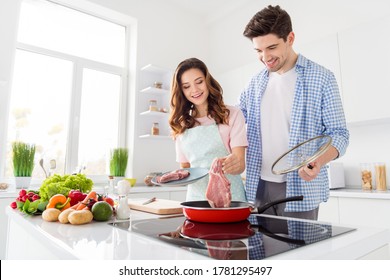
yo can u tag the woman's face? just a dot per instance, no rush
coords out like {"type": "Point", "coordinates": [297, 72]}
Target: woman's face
{"type": "Point", "coordinates": [193, 85]}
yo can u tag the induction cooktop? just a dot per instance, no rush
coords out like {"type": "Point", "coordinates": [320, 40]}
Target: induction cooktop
{"type": "Point", "coordinates": [256, 238]}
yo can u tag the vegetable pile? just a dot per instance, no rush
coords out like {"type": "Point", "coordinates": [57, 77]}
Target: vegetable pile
{"type": "Point", "coordinates": [58, 184]}
{"type": "Point", "coordinates": [82, 212]}
{"type": "Point", "coordinates": [29, 202]}
{"type": "Point", "coordinates": [66, 199]}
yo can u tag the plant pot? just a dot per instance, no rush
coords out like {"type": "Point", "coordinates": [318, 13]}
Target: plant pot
{"type": "Point", "coordinates": [22, 182]}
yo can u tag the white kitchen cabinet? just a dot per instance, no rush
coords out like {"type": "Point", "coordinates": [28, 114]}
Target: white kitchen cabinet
{"type": "Point", "coordinates": [356, 211]}
{"type": "Point", "coordinates": [329, 211]}
{"type": "Point", "coordinates": [151, 74]}
{"type": "Point", "coordinates": [364, 60]}
{"type": "Point", "coordinates": [4, 202]}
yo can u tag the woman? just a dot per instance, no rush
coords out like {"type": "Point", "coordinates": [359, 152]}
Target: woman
{"type": "Point", "coordinates": [204, 128]}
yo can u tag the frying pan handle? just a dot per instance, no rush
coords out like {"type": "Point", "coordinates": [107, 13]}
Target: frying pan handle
{"type": "Point", "coordinates": [278, 237]}
{"type": "Point", "coordinates": [283, 200]}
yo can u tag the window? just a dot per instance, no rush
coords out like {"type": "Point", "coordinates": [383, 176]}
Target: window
{"type": "Point", "coordinates": [68, 86]}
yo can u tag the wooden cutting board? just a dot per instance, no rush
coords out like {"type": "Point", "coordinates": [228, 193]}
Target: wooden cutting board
{"type": "Point", "coordinates": [159, 206]}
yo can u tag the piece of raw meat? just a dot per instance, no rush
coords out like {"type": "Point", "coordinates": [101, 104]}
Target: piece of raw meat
{"type": "Point", "coordinates": [173, 176]}
{"type": "Point", "coordinates": [218, 191]}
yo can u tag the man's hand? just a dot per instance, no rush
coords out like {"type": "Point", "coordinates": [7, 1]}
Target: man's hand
{"type": "Point", "coordinates": [310, 171]}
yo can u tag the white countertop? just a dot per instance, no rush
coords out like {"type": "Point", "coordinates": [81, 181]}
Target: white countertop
{"type": "Point", "coordinates": [99, 241]}
{"type": "Point", "coordinates": [13, 193]}
{"type": "Point", "coordinates": [343, 192]}
{"type": "Point", "coordinates": [359, 193]}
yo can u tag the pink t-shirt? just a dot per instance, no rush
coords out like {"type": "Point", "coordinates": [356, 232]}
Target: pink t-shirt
{"type": "Point", "coordinates": [232, 135]}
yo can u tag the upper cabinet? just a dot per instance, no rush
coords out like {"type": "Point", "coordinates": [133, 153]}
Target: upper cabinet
{"type": "Point", "coordinates": [365, 72]}
{"type": "Point", "coordinates": [154, 98]}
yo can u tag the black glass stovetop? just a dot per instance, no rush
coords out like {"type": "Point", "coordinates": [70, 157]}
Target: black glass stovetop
{"type": "Point", "coordinates": [256, 238]}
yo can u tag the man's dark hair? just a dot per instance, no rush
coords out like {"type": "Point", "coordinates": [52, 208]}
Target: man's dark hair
{"type": "Point", "coordinates": [270, 20]}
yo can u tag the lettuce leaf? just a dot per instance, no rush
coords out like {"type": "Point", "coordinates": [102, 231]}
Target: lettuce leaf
{"type": "Point", "coordinates": [63, 184]}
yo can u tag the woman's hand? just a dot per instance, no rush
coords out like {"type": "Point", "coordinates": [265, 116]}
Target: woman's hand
{"type": "Point", "coordinates": [235, 162]}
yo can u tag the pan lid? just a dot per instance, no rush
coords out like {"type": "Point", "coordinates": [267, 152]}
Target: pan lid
{"type": "Point", "coordinates": [302, 154]}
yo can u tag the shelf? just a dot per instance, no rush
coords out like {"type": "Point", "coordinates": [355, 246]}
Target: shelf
{"type": "Point", "coordinates": [153, 113]}
{"type": "Point", "coordinates": [155, 69]}
{"type": "Point", "coordinates": [153, 90]}
{"type": "Point", "coordinates": [149, 136]}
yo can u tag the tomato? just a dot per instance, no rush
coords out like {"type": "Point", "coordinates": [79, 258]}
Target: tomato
{"type": "Point", "coordinates": [109, 200]}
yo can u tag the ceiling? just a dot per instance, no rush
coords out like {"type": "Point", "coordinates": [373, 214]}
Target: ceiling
{"type": "Point", "coordinates": [208, 8]}
{"type": "Point", "coordinates": [201, 7]}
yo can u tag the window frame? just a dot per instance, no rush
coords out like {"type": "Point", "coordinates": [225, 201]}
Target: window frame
{"type": "Point", "coordinates": [80, 63]}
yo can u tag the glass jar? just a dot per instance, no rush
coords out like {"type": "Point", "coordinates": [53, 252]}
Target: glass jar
{"type": "Point", "coordinates": [366, 172]}
{"type": "Point", "coordinates": [153, 105]}
{"type": "Point", "coordinates": [109, 189]}
{"type": "Point", "coordinates": [380, 176]}
{"type": "Point", "coordinates": [155, 129]}
{"type": "Point", "coordinates": [158, 85]}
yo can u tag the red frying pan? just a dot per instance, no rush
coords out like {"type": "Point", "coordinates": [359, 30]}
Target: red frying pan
{"type": "Point", "coordinates": [201, 211]}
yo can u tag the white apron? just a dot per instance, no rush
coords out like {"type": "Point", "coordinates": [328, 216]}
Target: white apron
{"type": "Point", "coordinates": [201, 145]}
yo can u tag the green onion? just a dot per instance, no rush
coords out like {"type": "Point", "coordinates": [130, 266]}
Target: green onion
{"type": "Point", "coordinates": [23, 159]}
{"type": "Point", "coordinates": [118, 161]}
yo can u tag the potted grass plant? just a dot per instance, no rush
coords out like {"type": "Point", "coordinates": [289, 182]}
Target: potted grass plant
{"type": "Point", "coordinates": [23, 162]}
{"type": "Point", "coordinates": [118, 163]}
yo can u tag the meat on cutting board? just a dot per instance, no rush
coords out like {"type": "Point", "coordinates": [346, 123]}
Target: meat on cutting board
{"type": "Point", "coordinates": [218, 191]}
{"type": "Point", "coordinates": [173, 176]}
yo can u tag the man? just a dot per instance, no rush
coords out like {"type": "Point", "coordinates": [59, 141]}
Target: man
{"type": "Point", "coordinates": [292, 100]}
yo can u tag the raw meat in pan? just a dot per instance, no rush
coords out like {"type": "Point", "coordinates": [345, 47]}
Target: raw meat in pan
{"type": "Point", "coordinates": [173, 176]}
{"type": "Point", "coordinates": [218, 191]}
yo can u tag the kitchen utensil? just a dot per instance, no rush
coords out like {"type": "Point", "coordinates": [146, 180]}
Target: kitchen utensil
{"type": "Point", "coordinates": [41, 164]}
{"type": "Point", "coordinates": [201, 211]}
{"type": "Point", "coordinates": [196, 173]}
{"type": "Point", "coordinates": [149, 201]}
{"type": "Point", "coordinates": [53, 166]}
{"type": "Point", "coordinates": [159, 206]}
{"type": "Point", "coordinates": [302, 154]}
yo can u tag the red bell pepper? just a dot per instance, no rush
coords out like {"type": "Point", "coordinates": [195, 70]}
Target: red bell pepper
{"type": "Point", "coordinates": [76, 196]}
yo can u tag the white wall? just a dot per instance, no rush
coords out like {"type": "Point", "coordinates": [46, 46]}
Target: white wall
{"type": "Point", "coordinates": [162, 34]}
{"type": "Point", "coordinates": [167, 34]}
{"type": "Point", "coordinates": [234, 60]}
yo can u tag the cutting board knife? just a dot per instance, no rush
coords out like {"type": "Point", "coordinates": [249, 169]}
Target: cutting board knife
{"type": "Point", "coordinates": [159, 206]}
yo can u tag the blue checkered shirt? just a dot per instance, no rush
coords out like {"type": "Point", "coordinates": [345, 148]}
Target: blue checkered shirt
{"type": "Point", "coordinates": [317, 110]}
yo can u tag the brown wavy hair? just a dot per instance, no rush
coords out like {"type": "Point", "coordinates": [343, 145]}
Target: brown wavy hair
{"type": "Point", "coordinates": [183, 113]}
